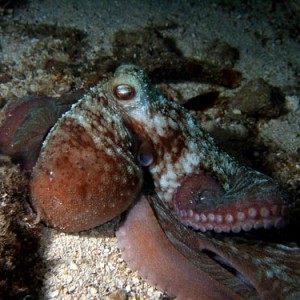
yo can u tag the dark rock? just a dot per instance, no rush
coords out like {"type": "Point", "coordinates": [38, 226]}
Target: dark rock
{"type": "Point", "coordinates": [221, 54]}
{"type": "Point", "coordinates": [2, 102]}
{"type": "Point", "coordinates": [259, 99]}
{"type": "Point", "coordinates": [136, 45]}
{"type": "Point", "coordinates": [163, 61]}
{"type": "Point", "coordinates": [202, 102]}
{"type": "Point", "coordinates": [4, 78]}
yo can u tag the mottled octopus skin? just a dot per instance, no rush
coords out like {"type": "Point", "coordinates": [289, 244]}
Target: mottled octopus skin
{"type": "Point", "coordinates": [86, 173]}
{"type": "Point", "coordinates": [183, 150]}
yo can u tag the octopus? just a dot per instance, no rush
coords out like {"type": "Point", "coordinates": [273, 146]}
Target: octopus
{"type": "Point", "coordinates": [189, 205]}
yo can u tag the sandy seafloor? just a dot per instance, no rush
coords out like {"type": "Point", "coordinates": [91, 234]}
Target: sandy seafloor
{"type": "Point", "coordinates": [89, 265]}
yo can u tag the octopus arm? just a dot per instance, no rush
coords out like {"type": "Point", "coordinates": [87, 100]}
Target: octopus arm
{"type": "Point", "coordinates": [148, 250]}
{"type": "Point", "coordinates": [261, 270]}
{"type": "Point", "coordinates": [26, 122]}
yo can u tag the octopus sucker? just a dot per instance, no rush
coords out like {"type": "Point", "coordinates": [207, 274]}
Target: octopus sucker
{"type": "Point", "coordinates": [197, 189]}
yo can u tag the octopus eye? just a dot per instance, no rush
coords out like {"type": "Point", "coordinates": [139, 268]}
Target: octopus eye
{"type": "Point", "coordinates": [124, 92]}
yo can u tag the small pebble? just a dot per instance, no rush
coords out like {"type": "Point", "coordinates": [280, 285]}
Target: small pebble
{"type": "Point", "coordinates": [68, 278]}
{"type": "Point", "coordinates": [236, 111]}
{"type": "Point", "coordinates": [71, 288]}
{"type": "Point", "coordinates": [52, 294]}
{"type": "Point", "coordinates": [73, 266]}
{"type": "Point", "coordinates": [93, 291]}
{"type": "Point", "coordinates": [128, 288]}
{"type": "Point", "coordinates": [136, 280]}
{"type": "Point", "coordinates": [117, 295]}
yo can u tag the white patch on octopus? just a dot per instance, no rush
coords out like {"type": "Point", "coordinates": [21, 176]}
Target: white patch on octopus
{"type": "Point", "coordinates": [189, 161]}
{"type": "Point", "coordinates": [160, 124]}
{"type": "Point", "coordinates": [168, 182]}
{"type": "Point", "coordinates": [172, 124]}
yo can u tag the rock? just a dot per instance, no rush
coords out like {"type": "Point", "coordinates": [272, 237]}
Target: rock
{"type": "Point", "coordinates": [117, 295]}
{"type": "Point", "coordinates": [259, 99]}
{"type": "Point", "coordinates": [221, 53]}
